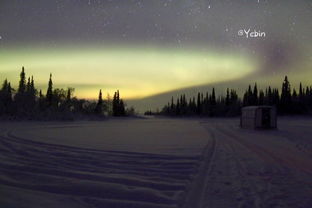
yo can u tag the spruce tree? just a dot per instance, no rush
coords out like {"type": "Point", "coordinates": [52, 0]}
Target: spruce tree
{"type": "Point", "coordinates": [32, 87]}
{"type": "Point", "coordinates": [178, 107]}
{"type": "Point", "coordinates": [285, 97]}
{"type": "Point", "coordinates": [307, 93]}
{"type": "Point", "coordinates": [5, 85]}
{"type": "Point", "coordinates": [6, 97]}
{"type": "Point", "coordinates": [41, 100]}
{"type": "Point", "coordinates": [49, 95]}
{"type": "Point", "coordinates": [22, 83]}
{"type": "Point", "coordinates": [261, 98]}
{"type": "Point", "coordinates": [275, 97]}
{"type": "Point", "coordinates": [255, 95]}
{"type": "Point", "coordinates": [301, 93]}
{"type": "Point", "coordinates": [28, 86]}
{"type": "Point", "coordinates": [270, 96]}
{"type": "Point", "coordinates": [245, 98]}
{"type": "Point", "coordinates": [294, 94]}
{"type": "Point", "coordinates": [115, 105]}
{"type": "Point", "coordinates": [68, 96]}
{"type": "Point", "coordinates": [227, 99]}
{"type": "Point", "coordinates": [29, 99]}
{"type": "Point", "coordinates": [122, 111]}
{"type": "Point", "coordinates": [20, 97]}
{"type": "Point", "coordinates": [233, 96]}
{"type": "Point", "coordinates": [9, 92]}
{"type": "Point", "coordinates": [249, 96]}
{"type": "Point", "coordinates": [213, 97]}
{"type": "Point", "coordinates": [198, 110]}
{"type": "Point", "coordinates": [99, 105]}
{"type": "Point", "coordinates": [172, 105]}
{"type": "Point", "coordinates": [3, 97]}
{"type": "Point", "coordinates": [118, 105]}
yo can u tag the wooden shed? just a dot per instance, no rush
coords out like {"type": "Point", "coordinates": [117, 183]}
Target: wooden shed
{"type": "Point", "coordinates": [258, 117]}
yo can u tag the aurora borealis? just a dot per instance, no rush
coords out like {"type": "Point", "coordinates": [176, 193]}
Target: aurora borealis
{"type": "Point", "coordinates": [135, 71]}
{"type": "Point", "coordinates": [148, 47]}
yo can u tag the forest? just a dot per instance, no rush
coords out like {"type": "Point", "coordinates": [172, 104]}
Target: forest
{"type": "Point", "coordinates": [287, 102]}
{"type": "Point", "coordinates": [26, 102]}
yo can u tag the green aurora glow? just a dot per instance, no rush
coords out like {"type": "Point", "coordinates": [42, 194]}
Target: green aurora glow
{"type": "Point", "coordinates": [135, 71]}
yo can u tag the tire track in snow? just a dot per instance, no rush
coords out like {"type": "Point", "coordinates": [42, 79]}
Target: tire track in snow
{"type": "Point", "coordinates": [196, 191]}
{"type": "Point", "coordinates": [272, 182]}
{"type": "Point", "coordinates": [101, 178]}
{"type": "Point", "coordinates": [248, 192]}
{"type": "Point", "coordinates": [285, 159]}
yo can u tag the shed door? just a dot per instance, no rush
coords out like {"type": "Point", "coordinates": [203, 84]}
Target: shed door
{"type": "Point", "coordinates": [266, 117]}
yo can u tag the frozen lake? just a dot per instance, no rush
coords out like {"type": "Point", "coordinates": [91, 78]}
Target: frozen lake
{"type": "Point", "coordinates": [155, 163]}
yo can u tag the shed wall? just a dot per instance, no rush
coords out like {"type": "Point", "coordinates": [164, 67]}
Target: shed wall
{"type": "Point", "coordinates": [248, 118]}
{"type": "Point", "coordinates": [252, 118]}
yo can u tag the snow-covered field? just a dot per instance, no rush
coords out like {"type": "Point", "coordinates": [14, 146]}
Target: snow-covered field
{"type": "Point", "coordinates": [156, 163]}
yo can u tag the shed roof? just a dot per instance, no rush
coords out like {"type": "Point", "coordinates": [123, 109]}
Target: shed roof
{"type": "Point", "coordinates": [257, 107]}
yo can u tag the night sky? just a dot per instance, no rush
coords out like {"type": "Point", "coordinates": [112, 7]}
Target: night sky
{"type": "Point", "coordinates": [145, 47]}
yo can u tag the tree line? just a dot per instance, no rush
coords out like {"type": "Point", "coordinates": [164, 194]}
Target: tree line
{"type": "Point", "coordinates": [57, 103]}
{"type": "Point", "coordinates": [287, 102]}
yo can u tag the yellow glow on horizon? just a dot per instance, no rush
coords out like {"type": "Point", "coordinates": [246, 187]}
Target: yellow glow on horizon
{"type": "Point", "coordinates": [135, 71]}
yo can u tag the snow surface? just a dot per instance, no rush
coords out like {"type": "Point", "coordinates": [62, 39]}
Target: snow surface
{"type": "Point", "coordinates": [155, 163]}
